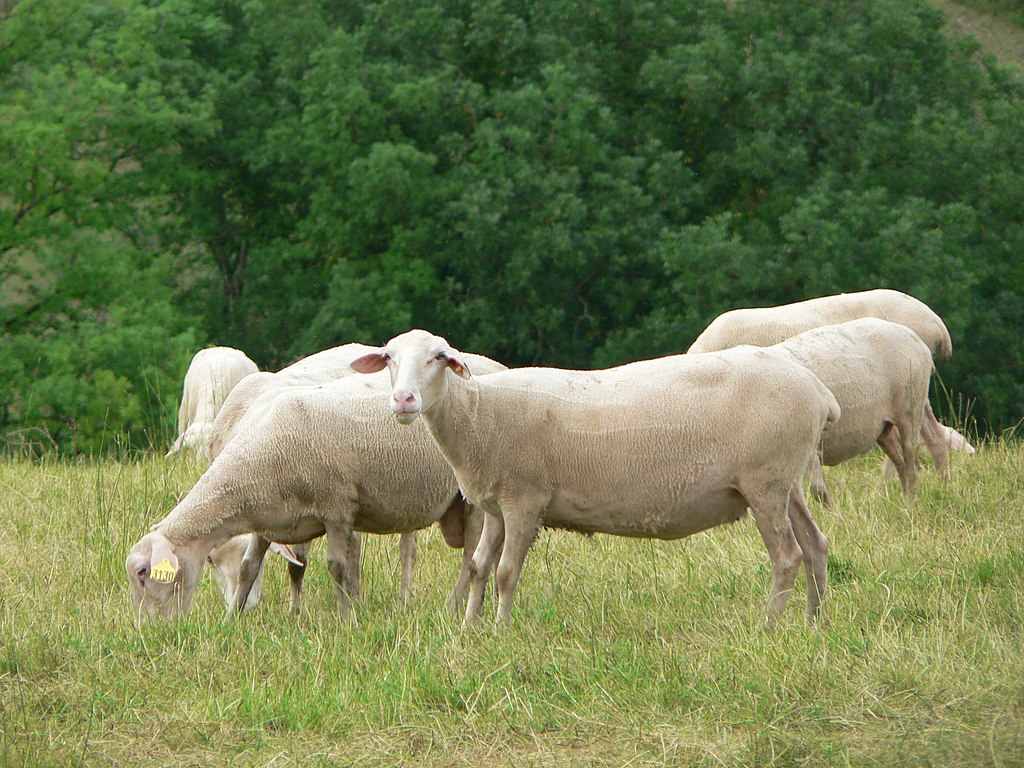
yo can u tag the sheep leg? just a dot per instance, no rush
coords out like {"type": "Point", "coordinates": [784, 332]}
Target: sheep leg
{"type": "Point", "coordinates": [472, 530]}
{"type": "Point", "coordinates": [771, 513]}
{"type": "Point", "coordinates": [909, 438]}
{"type": "Point", "coordinates": [407, 548]}
{"type": "Point", "coordinates": [935, 440]}
{"type": "Point", "coordinates": [814, 547]}
{"type": "Point", "coordinates": [341, 546]}
{"type": "Point", "coordinates": [296, 573]}
{"type": "Point", "coordinates": [890, 444]}
{"type": "Point", "coordinates": [817, 482]}
{"type": "Point", "coordinates": [355, 559]}
{"type": "Point", "coordinates": [521, 522]}
{"type": "Point", "coordinates": [491, 540]}
{"type": "Point", "coordinates": [903, 452]}
{"type": "Point", "coordinates": [249, 569]}
{"type": "Point", "coordinates": [888, 470]}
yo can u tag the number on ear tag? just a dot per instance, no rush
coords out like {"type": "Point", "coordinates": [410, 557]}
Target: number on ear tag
{"type": "Point", "coordinates": [164, 572]}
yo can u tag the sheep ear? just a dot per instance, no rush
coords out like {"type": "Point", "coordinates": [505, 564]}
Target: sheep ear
{"type": "Point", "coordinates": [371, 363]}
{"type": "Point", "coordinates": [163, 563]}
{"type": "Point", "coordinates": [287, 553]}
{"type": "Point", "coordinates": [457, 364]}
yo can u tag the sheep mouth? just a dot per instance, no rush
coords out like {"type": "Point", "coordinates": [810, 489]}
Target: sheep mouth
{"type": "Point", "coordinates": [406, 417]}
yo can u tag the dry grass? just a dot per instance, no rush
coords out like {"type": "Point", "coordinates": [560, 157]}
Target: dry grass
{"type": "Point", "coordinates": [622, 653]}
{"type": "Point", "coordinates": [996, 33]}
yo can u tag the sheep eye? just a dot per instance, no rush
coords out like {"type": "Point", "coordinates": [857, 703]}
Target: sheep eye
{"type": "Point", "coordinates": [387, 358]}
{"type": "Point", "coordinates": [440, 356]}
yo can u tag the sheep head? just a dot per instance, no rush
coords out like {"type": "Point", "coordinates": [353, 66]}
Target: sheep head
{"type": "Point", "coordinates": [162, 577]}
{"type": "Point", "coordinates": [418, 362]}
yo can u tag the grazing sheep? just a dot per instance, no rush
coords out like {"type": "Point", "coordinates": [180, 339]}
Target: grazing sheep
{"type": "Point", "coordinates": [764, 326]}
{"type": "Point", "coordinates": [322, 459]}
{"type": "Point", "coordinates": [879, 372]}
{"type": "Point", "coordinates": [211, 375]}
{"type": "Point", "coordinates": [249, 398]}
{"type": "Point", "coordinates": [245, 405]}
{"type": "Point", "coordinates": [656, 449]}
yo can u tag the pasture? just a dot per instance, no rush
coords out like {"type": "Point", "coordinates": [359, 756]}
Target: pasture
{"type": "Point", "coordinates": [621, 652]}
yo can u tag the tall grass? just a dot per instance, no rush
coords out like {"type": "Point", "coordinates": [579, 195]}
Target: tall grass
{"type": "Point", "coordinates": [622, 652]}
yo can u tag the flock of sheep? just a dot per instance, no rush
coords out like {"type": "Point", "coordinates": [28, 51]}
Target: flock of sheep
{"type": "Point", "coordinates": [660, 448]}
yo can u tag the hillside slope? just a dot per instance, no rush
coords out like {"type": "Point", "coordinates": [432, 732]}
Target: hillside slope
{"type": "Point", "coordinates": [997, 35]}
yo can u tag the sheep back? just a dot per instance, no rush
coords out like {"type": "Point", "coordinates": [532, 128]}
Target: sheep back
{"type": "Point", "coordinates": [655, 448]}
{"type": "Point", "coordinates": [327, 365]}
{"type": "Point", "coordinates": [765, 326]}
{"type": "Point", "coordinates": [316, 454]}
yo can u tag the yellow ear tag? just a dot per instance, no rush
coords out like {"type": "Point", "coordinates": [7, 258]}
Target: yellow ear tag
{"type": "Point", "coordinates": [164, 572]}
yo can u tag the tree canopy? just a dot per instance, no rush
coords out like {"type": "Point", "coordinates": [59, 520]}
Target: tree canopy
{"type": "Point", "coordinates": [559, 183]}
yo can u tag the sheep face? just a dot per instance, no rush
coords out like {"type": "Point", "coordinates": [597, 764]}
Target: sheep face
{"type": "Point", "coordinates": [162, 581]}
{"type": "Point", "coordinates": [957, 442]}
{"type": "Point", "coordinates": [418, 362]}
{"type": "Point", "coordinates": [197, 439]}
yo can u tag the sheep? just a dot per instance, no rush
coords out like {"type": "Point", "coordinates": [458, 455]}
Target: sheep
{"type": "Point", "coordinates": [245, 404]}
{"type": "Point", "coordinates": [322, 367]}
{"type": "Point", "coordinates": [879, 372]}
{"type": "Point", "coordinates": [765, 326]}
{"type": "Point", "coordinates": [211, 375]}
{"type": "Point", "coordinates": [655, 449]}
{"type": "Point", "coordinates": [325, 459]}
{"type": "Point", "coordinates": [227, 559]}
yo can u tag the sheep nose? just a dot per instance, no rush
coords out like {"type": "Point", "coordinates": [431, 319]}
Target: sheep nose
{"type": "Point", "coordinates": [402, 398]}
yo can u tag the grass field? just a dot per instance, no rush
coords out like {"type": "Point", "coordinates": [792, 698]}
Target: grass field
{"type": "Point", "coordinates": [623, 652]}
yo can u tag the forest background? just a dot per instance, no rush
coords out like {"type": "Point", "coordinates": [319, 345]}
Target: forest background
{"type": "Point", "coordinates": [558, 183]}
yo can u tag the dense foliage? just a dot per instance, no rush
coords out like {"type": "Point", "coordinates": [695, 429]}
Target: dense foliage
{"type": "Point", "coordinates": [564, 183]}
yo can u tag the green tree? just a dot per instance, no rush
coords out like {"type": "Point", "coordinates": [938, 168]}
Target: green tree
{"type": "Point", "coordinates": [561, 183]}
{"type": "Point", "coordinates": [241, 188]}
{"type": "Point", "coordinates": [90, 336]}
{"type": "Point", "coordinates": [850, 146]}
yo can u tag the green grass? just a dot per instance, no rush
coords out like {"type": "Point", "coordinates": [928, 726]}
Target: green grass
{"type": "Point", "coordinates": [622, 652]}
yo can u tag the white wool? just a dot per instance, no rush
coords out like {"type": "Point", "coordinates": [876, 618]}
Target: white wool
{"type": "Point", "coordinates": [764, 326]}
{"type": "Point", "coordinates": [879, 372]}
{"type": "Point", "coordinates": [661, 448]}
{"type": "Point", "coordinates": [211, 376]}
{"type": "Point", "coordinates": [324, 458]}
